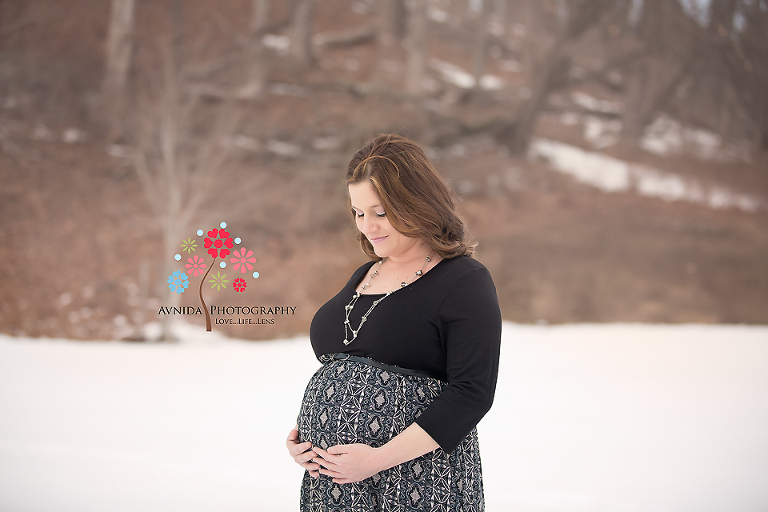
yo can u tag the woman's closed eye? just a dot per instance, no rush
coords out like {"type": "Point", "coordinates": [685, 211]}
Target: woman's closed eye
{"type": "Point", "coordinates": [361, 214]}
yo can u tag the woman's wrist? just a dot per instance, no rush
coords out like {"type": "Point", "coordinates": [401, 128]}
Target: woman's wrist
{"type": "Point", "coordinates": [383, 457]}
{"type": "Point", "coordinates": [409, 444]}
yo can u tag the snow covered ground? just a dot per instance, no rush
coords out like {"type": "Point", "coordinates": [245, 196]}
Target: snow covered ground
{"type": "Point", "coordinates": [613, 175]}
{"type": "Point", "coordinates": [587, 418]}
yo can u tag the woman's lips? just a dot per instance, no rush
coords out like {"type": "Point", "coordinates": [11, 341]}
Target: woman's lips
{"type": "Point", "coordinates": [378, 239]}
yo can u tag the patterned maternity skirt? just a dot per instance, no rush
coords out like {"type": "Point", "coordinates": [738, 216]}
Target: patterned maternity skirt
{"type": "Point", "coordinates": [353, 402]}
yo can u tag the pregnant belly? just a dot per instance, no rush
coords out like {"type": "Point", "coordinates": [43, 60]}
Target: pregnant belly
{"type": "Point", "coordinates": [351, 402]}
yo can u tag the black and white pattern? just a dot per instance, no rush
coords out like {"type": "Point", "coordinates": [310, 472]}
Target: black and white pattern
{"type": "Point", "coordinates": [352, 402]}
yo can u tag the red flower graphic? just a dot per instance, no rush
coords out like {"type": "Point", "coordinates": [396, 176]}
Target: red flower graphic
{"type": "Point", "coordinates": [239, 285]}
{"type": "Point", "coordinates": [218, 239]}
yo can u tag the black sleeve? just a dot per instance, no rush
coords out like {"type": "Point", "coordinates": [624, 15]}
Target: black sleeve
{"type": "Point", "coordinates": [469, 321]}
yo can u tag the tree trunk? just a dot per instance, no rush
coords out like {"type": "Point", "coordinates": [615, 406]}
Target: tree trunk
{"type": "Point", "coordinates": [118, 60]}
{"type": "Point", "coordinates": [301, 33]}
{"type": "Point", "coordinates": [639, 80]}
{"type": "Point", "coordinates": [255, 65]}
{"type": "Point", "coordinates": [480, 49]}
{"type": "Point", "coordinates": [386, 22]}
{"type": "Point", "coordinates": [653, 77]}
{"type": "Point", "coordinates": [516, 136]}
{"type": "Point", "coordinates": [632, 125]}
{"type": "Point", "coordinates": [721, 15]}
{"type": "Point", "coordinates": [502, 10]}
{"type": "Point", "coordinates": [389, 18]}
{"type": "Point", "coordinates": [417, 46]}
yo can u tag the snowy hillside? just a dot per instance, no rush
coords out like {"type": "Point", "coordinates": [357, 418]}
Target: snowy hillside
{"type": "Point", "coordinates": [587, 418]}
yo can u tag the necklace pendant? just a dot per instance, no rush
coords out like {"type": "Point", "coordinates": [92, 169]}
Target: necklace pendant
{"type": "Point", "coordinates": [349, 307]}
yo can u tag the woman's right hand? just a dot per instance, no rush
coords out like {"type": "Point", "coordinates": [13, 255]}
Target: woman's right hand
{"type": "Point", "coordinates": [302, 453]}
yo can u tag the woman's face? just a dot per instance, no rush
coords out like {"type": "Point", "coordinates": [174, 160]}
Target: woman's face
{"type": "Point", "coordinates": [371, 220]}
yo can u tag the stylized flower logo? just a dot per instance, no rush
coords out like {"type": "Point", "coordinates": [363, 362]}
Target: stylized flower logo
{"type": "Point", "coordinates": [216, 242]}
{"type": "Point", "coordinates": [242, 260]}
{"type": "Point", "coordinates": [189, 245]}
{"type": "Point", "coordinates": [178, 282]}
{"type": "Point", "coordinates": [218, 281]}
{"type": "Point", "coordinates": [195, 265]}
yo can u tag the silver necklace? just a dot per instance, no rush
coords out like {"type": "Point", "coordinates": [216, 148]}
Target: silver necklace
{"type": "Point", "coordinates": [349, 307]}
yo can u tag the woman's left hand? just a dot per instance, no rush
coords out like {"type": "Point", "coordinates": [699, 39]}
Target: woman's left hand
{"type": "Point", "coordinates": [347, 463]}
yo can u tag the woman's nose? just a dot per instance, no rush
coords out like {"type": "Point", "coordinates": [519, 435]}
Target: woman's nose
{"type": "Point", "coordinates": [368, 224]}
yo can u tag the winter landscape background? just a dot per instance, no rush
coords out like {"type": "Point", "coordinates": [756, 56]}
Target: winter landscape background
{"type": "Point", "coordinates": [609, 156]}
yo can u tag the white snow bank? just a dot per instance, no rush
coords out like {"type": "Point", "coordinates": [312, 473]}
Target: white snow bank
{"type": "Point", "coordinates": [279, 43]}
{"type": "Point", "coordinates": [591, 103]}
{"type": "Point", "coordinates": [587, 417]}
{"type": "Point", "coordinates": [667, 136]}
{"type": "Point", "coordinates": [613, 175]}
{"type": "Point", "coordinates": [455, 75]}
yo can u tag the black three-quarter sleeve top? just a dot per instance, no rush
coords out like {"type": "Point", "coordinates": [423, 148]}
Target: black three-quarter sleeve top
{"type": "Point", "coordinates": [447, 322]}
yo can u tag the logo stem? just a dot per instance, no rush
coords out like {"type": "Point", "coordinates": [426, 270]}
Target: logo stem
{"type": "Point", "coordinates": [205, 308]}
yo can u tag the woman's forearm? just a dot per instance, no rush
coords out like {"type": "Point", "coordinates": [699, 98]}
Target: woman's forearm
{"type": "Point", "coordinates": [407, 445]}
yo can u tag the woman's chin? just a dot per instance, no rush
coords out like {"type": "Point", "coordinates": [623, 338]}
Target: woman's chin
{"type": "Point", "coordinates": [379, 252]}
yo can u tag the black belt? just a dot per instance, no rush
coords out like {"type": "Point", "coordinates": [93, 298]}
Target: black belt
{"type": "Point", "coordinates": [382, 366]}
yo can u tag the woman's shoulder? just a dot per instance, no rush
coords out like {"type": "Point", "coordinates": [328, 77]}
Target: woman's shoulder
{"type": "Point", "coordinates": [461, 269]}
{"type": "Point", "coordinates": [467, 287]}
{"type": "Point", "coordinates": [460, 265]}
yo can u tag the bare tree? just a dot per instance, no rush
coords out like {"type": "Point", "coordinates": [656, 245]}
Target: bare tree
{"type": "Point", "coordinates": [666, 36]}
{"type": "Point", "coordinates": [480, 46]}
{"type": "Point", "coordinates": [580, 20]}
{"type": "Point", "coordinates": [118, 60]}
{"type": "Point", "coordinates": [255, 54]}
{"type": "Point", "coordinates": [391, 18]}
{"type": "Point", "coordinates": [416, 46]}
{"type": "Point", "coordinates": [386, 37]}
{"type": "Point", "coordinates": [736, 62]}
{"type": "Point", "coordinates": [180, 152]}
{"type": "Point", "coordinates": [301, 32]}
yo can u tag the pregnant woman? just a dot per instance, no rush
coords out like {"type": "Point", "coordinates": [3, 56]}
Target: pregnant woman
{"type": "Point", "coordinates": [410, 351]}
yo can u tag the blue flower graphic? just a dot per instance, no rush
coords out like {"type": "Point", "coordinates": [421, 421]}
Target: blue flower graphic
{"type": "Point", "coordinates": [178, 281]}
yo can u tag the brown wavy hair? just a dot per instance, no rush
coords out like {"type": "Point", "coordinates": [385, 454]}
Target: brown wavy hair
{"type": "Point", "coordinates": [416, 200]}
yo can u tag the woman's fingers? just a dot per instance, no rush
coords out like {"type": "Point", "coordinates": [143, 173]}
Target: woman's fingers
{"type": "Point", "coordinates": [310, 466]}
{"type": "Point", "coordinates": [298, 448]}
{"type": "Point", "coordinates": [315, 460]}
{"type": "Point", "coordinates": [327, 458]}
{"type": "Point", "coordinates": [327, 472]}
{"type": "Point", "coordinates": [302, 453]}
{"type": "Point", "coordinates": [293, 444]}
{"type": "Point", "coordinates": [324, 463]}
{"type": "Point", "coordinates": [305, 457]}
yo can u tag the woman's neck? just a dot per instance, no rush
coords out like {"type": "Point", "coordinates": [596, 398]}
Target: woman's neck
{"type": "Point", "coordinates": [413, 256]}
